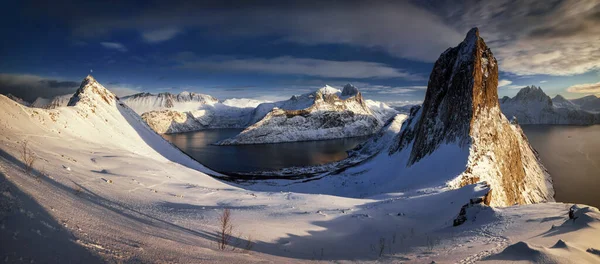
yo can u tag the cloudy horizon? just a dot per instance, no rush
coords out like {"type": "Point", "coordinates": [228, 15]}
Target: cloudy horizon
{"type": "Point", "coordinates": [272, 49]}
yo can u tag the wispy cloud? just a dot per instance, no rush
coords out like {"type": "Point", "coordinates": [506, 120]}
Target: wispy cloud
{"type": "Point", "coordinates": [504, 82]}
{"type": "Point", "coordinates": [544, 81]}
{"type": "Point", "coordinates": [295, 66]}
{"type": "Point", "coordinates": [398, 28]}
{"type": "Point", "coordinates": [160, 35]}
{"type": "Point", "coordinates": [114, 46]}
{"type": "Point", "coordinates": [551, 37]}
{"type": "Point", "coordinates": [586, 88]}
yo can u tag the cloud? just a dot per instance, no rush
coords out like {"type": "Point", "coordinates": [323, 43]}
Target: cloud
{"type": "Point", "coordinates": [544, 81]}
{"type": "Point", "coordinates": [295, 66]}
{"type": "Point", "coordinates": [504, 82]}
{"type": "Point", "coordinates": [384, 89]}
{"type": "Point", "coordinates": [586, 88]}
{"type": "Point", "coordinates": [160, 35]}
{"type": "Point", "coordinates": [114, 46]}
{"type": "Point", "coordinates": [550, 37]}
{"type": "Point", "coordinates": [398, 28]}
{"type": "Point", "coordinates": [29, 87]}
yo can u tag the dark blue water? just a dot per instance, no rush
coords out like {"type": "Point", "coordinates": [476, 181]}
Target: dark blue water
{"type": "Point", "coordinates": [250, 158]}
{"type": "Point", "coordinates": [572, 156]}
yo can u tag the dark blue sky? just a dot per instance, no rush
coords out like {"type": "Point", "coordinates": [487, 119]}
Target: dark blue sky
{"type": "Point", "coordinates": [274, 49]}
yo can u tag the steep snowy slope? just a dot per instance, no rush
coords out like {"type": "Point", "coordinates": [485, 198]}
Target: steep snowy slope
{"type": "Point", "coordinates": [324, 114]}
{"type": "Point", "coordinates": [532, 106]}
{"type": "Point", "coordinates": [57, 101]}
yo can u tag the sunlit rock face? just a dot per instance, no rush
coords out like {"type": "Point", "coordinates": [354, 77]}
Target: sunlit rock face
{"type": "Point", "coordinates": [461, 107]}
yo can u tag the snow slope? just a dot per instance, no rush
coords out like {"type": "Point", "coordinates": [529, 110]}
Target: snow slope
{"type": "Point", "coordinates": [532, 106]}
{"type": "Point", "coordinates": [327, 113]}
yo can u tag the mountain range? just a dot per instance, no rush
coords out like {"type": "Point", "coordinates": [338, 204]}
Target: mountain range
{"type": "Point", "coordinates": [532, 106]}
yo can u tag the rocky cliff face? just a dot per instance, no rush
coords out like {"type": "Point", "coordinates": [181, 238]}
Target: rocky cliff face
{"type": "Point", "coordinates": [327, 113]}
{"type": "Point", "coordinates": [461, 108]}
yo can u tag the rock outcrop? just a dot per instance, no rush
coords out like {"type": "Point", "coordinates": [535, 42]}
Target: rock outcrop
{"type": "Point", "coordinates": [461, 108]}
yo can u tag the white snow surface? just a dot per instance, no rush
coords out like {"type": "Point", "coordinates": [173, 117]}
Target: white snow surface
{"type": "Point", "coordinates": [130, 196]}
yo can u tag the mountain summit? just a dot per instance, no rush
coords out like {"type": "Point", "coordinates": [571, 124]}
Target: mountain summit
{"type": "Point", "coordinates": [91, 92]}
{"type": "Point", "coordinates": [461, 110]}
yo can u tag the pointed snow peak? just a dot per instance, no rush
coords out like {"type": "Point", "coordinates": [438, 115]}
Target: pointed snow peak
{"type": "Point", "coordinates": [349, 90]}
{"type": "Point", "coordinates": [90, 92]}
{"type": "Point", "coordinates": [328, 90]}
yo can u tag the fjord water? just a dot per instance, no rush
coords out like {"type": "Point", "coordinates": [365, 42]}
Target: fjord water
{"type": "Point", "coordinates": [572, 156]}
{"type": "Point", "coordinates": [251, 158]}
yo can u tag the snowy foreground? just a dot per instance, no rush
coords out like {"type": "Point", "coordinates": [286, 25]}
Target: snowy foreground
{"type": "Point", "coordinates": [106, 188]}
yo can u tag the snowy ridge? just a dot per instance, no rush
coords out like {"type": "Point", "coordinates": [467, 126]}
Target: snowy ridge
{"type": "Point", "coordinates": [532, 106]}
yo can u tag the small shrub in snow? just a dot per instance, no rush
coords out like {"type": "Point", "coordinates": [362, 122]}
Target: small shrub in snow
{"type": "Point", "coordinates": [225, 229]}
{"type": "Point", "coordinates": [27, 157]}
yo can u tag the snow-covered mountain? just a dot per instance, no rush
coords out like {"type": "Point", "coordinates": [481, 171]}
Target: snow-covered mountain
{"type": "Point", "coordinates": [51, 103]}
{"type": "Point", "coordinates": [532, 106]}
{"type": "Point", "coordinates": [184, 101]}
{"type": "Point", "coordinates": [459, 136]}
{"type": "Point", "coordinates": [327, 113]}
{"type": "Point", "coordinates": [184, 112]}
{"type": "Point", "coordinates": [560, 102]}
{"type": "Point", "coordinates": [589, 103]}
{"type": "Point", "coordinates": [169, 113]}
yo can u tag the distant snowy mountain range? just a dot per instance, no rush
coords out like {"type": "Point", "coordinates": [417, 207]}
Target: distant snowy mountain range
{"type": "Point", "coordinates": [323, 114]}
{"type": "Point", "coordinates": [532, 106]}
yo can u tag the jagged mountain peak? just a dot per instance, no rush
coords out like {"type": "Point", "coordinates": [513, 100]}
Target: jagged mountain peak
{"type": "Point", "coordinates": [462, 85]}
{"type": "Point", "coordinates": [91, 92]}
{"type": "Point", "coordinates": [461, 112]}
{"type": "Point", "coordinates": [349, 90]}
